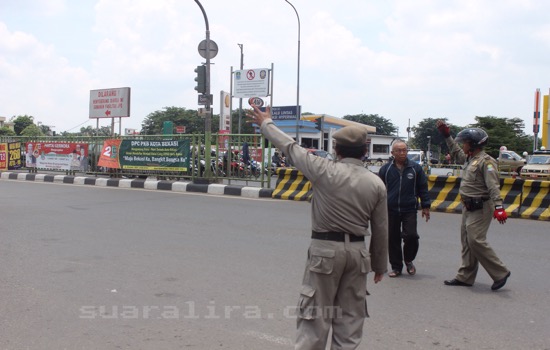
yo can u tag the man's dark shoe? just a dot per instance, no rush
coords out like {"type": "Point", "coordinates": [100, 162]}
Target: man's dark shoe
{"type": "Point", "coordinates": [500, 283]}
{"type": "Point", "coordinates": [455, 282]}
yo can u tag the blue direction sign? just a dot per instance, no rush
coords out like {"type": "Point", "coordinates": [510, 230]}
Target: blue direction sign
{"type": "Point", "coordinates": [283, 112]}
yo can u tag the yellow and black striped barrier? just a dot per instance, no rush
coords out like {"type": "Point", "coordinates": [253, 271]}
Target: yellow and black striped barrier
{"type": "Point", "coordinates": [536, 200]}
{"type": "Point", "coordinates": [527, 199]}
{"type": "Point", "coordinates": [292, 184]}
{"type": "Point", "coordinates": [443, 192]}
{"type": "Point", "coordinates": [511, 191]}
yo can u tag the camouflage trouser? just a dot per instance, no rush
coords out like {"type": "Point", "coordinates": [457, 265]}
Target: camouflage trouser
{"type": "Point", "coordinates": [333, 295]}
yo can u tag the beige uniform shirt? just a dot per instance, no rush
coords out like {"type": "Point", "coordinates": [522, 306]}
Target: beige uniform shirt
{"type": "Point", "coordinates": [347, 197]}
{"type": "Point", "coordinates": [480, 176]}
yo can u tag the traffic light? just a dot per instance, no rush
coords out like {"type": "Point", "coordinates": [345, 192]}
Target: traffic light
{"type": "Point", "coordinates": [319, 124]}
{"type": "Point", "coordinates": [200, 79]}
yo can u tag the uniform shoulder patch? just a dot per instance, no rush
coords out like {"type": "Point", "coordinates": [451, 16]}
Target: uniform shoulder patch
{"type": "Point", "coordinates": [490, 167]}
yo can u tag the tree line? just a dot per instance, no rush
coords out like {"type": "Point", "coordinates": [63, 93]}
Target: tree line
{"type": "Point", "coordinates": [502, 131]}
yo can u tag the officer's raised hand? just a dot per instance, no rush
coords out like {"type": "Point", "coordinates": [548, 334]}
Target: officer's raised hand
{"type": "Point", "coordinates": [257, 116]}
{"type": "Point", "coordinates": [443, 128]}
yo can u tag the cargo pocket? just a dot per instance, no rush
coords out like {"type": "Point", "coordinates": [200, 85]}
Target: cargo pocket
{"type": "Point", "coordinates": [306, 303]}
{"type": "Point", "coordinates": [321, 260]}
{"type": "Point", "coordinates": [366, 307]}
{"type": "Point", "coordinates": [365, 261]}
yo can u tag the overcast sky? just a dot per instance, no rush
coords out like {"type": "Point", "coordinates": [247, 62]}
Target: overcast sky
{"type": "Point", "coordinates": [400, 59]}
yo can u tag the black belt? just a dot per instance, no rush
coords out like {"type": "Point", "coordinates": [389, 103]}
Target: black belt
{"type": "Point", "coordinates": [336, 236]}
{"type": "Point", "coordinates": [462, 198]}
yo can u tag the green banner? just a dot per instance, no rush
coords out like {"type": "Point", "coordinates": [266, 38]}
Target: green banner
{"type": "Point", "coordinates": [167, 155]}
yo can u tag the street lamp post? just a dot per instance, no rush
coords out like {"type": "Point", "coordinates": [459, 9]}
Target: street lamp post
{"type": "Point", "coordinates": [298, 80]}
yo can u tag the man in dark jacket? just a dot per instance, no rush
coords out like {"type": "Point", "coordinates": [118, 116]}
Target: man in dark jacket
{"type": "Point", "coordinates": [405, 182]}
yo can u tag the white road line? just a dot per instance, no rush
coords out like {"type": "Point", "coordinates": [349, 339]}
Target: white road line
{"type": "Point", "coordinates": [270, 338]}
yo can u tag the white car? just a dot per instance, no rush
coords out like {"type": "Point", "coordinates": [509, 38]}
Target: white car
{"type": "Point", "coordinates": [538, 166]}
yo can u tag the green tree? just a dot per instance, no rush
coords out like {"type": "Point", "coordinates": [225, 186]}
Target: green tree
{"type": "Point", "coordinates": [5, 131]}
{"type": "Point", "coordinates": [31, 130]}
{"type": "Point", "coordinates": [45, 129]}
{"type": "Point", "coordinates": [21, 122]}
{"type": "Point", "coordinates": [426, 127]}
{"type": "Point", "coordinates": [504, 132]}
{"type": "Point", "coordinates": [153, 123]}
{"type": "Point", "coordinates": [383, 125]}
{"type": "Point", "coordinates": [246, 127]}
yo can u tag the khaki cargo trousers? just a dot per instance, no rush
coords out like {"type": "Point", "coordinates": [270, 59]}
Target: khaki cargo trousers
{"type": "Point", "coordinates": [475, 248]}
{"type": "Point", "coordinates": [333, 295]}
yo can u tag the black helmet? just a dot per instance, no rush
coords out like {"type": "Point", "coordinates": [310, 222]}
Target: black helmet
{"type": "Point", "coordinates": [475, 136]}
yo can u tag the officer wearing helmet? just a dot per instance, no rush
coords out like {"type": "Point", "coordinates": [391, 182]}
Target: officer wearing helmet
{"type": "Point", "coordinates": [480, 196]}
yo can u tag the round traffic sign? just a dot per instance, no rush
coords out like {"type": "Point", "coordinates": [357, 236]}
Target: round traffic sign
{"type": "Point", "coordinates": [213, 49]}
{"type": "Point", "coordinates": [255, 101]}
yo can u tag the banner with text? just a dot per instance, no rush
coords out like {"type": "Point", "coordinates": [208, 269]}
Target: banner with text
{"type": "Point", "coordinates": [57, 155]}
{"type": "Point", "coordinates": [166, 155]}
{"type": "Point", "coordinates": [10, 156]}
{"type": "Point", "coordinates": [110, 103]}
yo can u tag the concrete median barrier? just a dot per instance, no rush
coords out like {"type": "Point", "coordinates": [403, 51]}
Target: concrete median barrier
{"type": "Point", "coordinates": [536, 200]}
{"type": "Point", "coordinates": [292, 185]}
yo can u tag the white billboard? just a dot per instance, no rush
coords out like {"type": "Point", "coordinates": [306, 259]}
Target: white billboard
{"type": "Point", "coordinates": [225, 111]}
{"type": "Point", "coordinates": [110, 103]}
{"type": "Point", "coordinates": [251, 83]}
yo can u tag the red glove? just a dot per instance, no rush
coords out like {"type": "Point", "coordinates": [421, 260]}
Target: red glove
{"type": "Point", "coordinates": [443, 129]}
{"type": "Point", "coordinates": [500, 214]}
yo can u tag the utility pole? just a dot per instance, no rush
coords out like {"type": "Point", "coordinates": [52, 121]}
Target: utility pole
{"type": "Point", "coordinates": [241, 99]}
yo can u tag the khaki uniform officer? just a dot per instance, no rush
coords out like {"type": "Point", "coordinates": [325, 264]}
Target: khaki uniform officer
{"type": "Point", "coordinates": [347, 201]}
{"type": "Point", "coordinates": [480, 195]}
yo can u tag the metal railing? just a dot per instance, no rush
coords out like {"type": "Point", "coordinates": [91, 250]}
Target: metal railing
{"type": "Point", "coordinates": [225, 157]}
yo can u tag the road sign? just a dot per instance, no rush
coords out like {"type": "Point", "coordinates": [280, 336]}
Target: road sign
{"type": "Point", "coordinates": [205, 100]}
{"type": "Point", "coordinates": [283, 112]}
{"type": "Point", "coordinates": [256, 101]}
{"type": "Point", "coordinates": [213, 49]}
{"type": "Point", "coordinates": [251, 83]}
{"type": "Point", "coordinates": [110, 103]}
{"type": "Point", "coordinates": [202, 112]}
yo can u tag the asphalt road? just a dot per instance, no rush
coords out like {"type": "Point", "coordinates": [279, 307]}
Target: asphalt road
{"type": "Point", "coordinates": [85, 267]}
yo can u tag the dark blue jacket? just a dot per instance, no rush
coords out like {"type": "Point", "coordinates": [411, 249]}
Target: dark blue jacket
{"type": "Point", "coordinates": [405, 189]}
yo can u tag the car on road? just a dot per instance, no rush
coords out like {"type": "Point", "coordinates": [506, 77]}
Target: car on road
{"type": "Point", "coordinates": [510, 161]}
{"type": "Point", "coordinates": [538, 166]}
{"type": "Point", "coordinates": [417, 156]}
{"type": "Point", "coordinates": [321, 153]}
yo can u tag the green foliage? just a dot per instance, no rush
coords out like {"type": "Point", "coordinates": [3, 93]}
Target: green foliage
{"type": "Point", "coordinates": [153, 123]}
{"type": "Point", "coordinates": [504, 132]}
{"type": "Point", "coordinates": [31, 130]}
{"type": "Point", "coordinates": [501, 131]}
{"type": "Point", "coordinates": [45, 130]}
{"type": "Point", "coordinates": [425, 128]}
{"type": "Point", "coordinates": [246, 127]}
{"type": "Point", "coordinates": [21, 122]}
{"type": "Point", "coordinates": [5, 131]}
{"type": "Point", "coordinates": [383, 125]}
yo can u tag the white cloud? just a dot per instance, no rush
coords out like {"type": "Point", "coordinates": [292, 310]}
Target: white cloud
{"type": "Point", "coordinates": [399, 59]}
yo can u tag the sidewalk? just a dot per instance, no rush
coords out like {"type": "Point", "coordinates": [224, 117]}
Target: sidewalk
{"type": "Point", "coordinates": [151, 183]}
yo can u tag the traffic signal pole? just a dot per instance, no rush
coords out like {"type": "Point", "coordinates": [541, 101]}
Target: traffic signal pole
{"type": "Point", "coordinates": [208, 117]}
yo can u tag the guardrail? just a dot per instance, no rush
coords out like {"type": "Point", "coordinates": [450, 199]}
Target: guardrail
{"type": "Point", "coordinates": [196, 171]}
